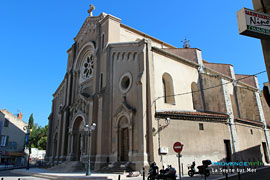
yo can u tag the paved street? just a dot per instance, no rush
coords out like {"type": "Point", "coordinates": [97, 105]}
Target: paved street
{"type": "Point", "coordinates": [8, 175]}
{"type": "Point", "coordinates": [263, 174]}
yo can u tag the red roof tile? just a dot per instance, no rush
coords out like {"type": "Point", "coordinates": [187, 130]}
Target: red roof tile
{"type": "Point", "coordinates": [183, 114]}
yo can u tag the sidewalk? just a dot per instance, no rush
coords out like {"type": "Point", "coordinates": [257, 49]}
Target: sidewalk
{"type": "Point", "coordinates": [44, 173]}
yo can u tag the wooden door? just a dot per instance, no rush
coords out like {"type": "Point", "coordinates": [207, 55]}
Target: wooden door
{"type": "Point", "coordinates": [124, 144]}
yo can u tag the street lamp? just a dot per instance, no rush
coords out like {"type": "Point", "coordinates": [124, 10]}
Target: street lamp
{"type": "Point", "coordinates": [89, 132]}
{"type": "Point", "coordinates": [27, 143]}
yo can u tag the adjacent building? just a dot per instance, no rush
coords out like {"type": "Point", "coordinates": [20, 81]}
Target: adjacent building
{"type": "Point", "coordinates": [12, 138]}
{"type": "Point", "coordinates": [144, 95]}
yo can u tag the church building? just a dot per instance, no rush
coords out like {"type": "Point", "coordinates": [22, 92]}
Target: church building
{"type": "Point", "coordinates": [144, 95]}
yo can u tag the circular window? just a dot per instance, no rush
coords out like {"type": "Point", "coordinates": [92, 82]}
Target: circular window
{"type": "Point", "coordinates": [125, 82]}
{"type": "Point", "coordinates": [87, 67]}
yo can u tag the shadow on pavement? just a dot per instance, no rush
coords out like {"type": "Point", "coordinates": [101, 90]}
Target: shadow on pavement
{"type": "Point", "coordinates": [8, 173]}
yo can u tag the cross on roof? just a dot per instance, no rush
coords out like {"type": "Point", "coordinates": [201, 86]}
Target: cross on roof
{"type": "Point", "coordinates": [186, 43]}
{"type": "Point", "coordinates": [90, 11]}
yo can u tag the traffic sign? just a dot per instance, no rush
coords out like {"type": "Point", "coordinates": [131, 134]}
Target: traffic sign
{"type": "Point", "coordinates": [177, 147]}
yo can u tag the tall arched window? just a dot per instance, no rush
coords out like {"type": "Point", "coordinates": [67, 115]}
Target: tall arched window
{"type": "Point", "coordinates": [196, 96]}
{"type": "Point", "coordinates": [168, 89]}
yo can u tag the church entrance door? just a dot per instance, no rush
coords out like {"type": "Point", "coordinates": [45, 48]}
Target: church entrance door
{"type": "Point", "coordinates": [77, 138]}
{"type": "Point", "coordinates": [124, 144]}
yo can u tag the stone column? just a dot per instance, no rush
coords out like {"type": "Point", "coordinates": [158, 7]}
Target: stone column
{"type": "Point", "coordinates": [99, 146]}
{"type": "Point", "coordinates": [69, 145]}
{"type": "Point", "coordinates": [71, 154]}
{"type": "Point", "coordinates": [73, 89]}
{"type": "Point", "coordinates": [63, 138]}
{"type": "Point", "coordinates": [49, 140]}
{"type": "Point", "coordinates": [130, 152]}
{"type": "Point", "coordinates": [58, 151]}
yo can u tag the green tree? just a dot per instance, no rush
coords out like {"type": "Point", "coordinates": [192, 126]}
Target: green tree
{"type": "Point", "coordinates": [31, 121]}
{"type": "Point", "coordinates": [42, 143]}
{"type": "Point", "coordinates": [39, 137]}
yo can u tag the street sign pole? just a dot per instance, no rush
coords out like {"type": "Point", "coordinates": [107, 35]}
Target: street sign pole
{"type": "Point", "coordinates": [179, 168]}
{"type": "Point", "coordinates": [178, 147]}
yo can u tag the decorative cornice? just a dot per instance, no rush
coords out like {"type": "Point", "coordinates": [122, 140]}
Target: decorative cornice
{"type": "Point", "coordinates": [193, 116]}
{"type": "Point", "coordinates": [249, 122]}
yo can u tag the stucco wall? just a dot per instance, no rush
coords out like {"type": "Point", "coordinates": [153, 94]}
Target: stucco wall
{"type": "Point", "coordinates": [182, 76]}
{"type": "Point", "coordinates": [213, 93]}
{"type": "Point", "coordinates": [15, 133]}
{"type": "Point", "coordinates": [198, 144]}
{"type": "Point", "coordinates": [247, 104]}
{"type": "Point", "coordinates": [250, 144]}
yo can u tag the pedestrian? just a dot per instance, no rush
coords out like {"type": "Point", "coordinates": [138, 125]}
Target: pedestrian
{"type": "Point", "coordinates": [6, 164]}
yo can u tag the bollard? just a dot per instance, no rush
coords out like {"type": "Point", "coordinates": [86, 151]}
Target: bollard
{"type": "Point", "coordinates": [226, 176]}
{"type": "Point", "coordinates": [143, 172]}
{"type": "Point", "coordinates": [239, 176]}
{"type": "Point", "coordinates": [119, 177]}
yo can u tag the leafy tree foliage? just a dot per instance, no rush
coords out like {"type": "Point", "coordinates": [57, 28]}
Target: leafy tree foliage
{"type": "Point", "coordinates": [39, 137]}
{"type": "Point", "coordinates": [31, 121]}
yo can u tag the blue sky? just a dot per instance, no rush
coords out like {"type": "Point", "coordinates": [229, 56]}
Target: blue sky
{"type": "Point", "coordinates": [35, 36]}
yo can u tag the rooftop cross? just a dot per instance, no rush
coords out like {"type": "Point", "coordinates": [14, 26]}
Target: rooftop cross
{"type": "Point", "coordinates": [90, 11]}
{"type": "Point", "coordinates": [186, 43]}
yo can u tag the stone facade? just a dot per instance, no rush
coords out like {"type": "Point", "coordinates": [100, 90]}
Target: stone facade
{"type": "Point", "coordinates": [144, 95]}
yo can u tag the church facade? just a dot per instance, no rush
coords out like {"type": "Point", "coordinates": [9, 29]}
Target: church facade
{"type": "Point", "coordinates": [145, 94]}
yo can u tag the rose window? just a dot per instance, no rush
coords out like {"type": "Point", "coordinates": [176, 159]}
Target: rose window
{"type": "Point", "coordinates": [88, 67]}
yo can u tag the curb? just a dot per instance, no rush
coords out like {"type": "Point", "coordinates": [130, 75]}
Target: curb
{"type": "Point", "coordinates": [50, 176]}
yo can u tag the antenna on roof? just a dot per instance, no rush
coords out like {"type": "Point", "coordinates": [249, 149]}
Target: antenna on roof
{"type": "Point", "coordinates": [186, 43]}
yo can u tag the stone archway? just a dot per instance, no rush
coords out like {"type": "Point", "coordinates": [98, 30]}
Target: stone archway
{"type": "Point", "coordinates": [77, 138]}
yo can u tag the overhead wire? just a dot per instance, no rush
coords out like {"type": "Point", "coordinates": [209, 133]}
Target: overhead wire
{"type": "Point", "coordinates": [190, 92]}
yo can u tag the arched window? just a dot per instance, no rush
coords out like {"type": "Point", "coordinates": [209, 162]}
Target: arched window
{"type": "Point", "coordinates": [196, 96]}
{"type": "Point", "coordinates": [168, 89]}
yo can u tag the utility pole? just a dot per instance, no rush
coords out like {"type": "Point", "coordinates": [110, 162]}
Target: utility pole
{"type": "Point", "coordinates": [264, 7]}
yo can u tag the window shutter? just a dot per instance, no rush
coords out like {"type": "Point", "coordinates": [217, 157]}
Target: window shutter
{"type": "Point", "coordinates": [6, 144]}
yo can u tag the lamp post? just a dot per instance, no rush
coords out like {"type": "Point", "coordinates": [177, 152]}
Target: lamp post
{"type": "Point", "coordinates": [89, 130]}
{"type": "Point", "coordinates": [27, 143]}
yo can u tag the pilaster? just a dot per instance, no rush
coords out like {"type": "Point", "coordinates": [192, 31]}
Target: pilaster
{"type": "Point", "coordinates": [229, 110]}
{"type": "Point", "coordinates": [260, 108]}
